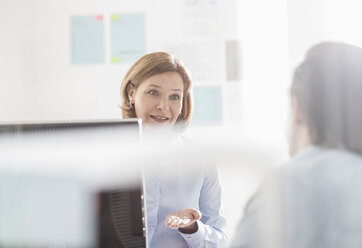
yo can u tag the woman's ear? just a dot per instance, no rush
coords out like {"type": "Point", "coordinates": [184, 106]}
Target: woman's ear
{"type": "Point", "coordinates": [131, 92]}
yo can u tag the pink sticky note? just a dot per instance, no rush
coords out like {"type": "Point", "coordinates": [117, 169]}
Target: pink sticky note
{"type": "Point", "coordinates": [99, 18]}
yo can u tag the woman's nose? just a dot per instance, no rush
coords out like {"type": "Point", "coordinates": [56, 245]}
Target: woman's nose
{"type": "Point", "coordinates": [163, 104]}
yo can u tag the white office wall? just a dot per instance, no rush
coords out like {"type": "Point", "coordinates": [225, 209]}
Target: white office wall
{"type": "Point", "coordinates": [14, 66]}
{"type": "Point", "coordinates": [263, 29]}
{"type": "Point", "coordinates": [310, 22]}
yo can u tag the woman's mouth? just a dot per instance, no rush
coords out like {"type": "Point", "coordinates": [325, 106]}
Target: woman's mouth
{"type": "Point", "coordinates": [159, 119]}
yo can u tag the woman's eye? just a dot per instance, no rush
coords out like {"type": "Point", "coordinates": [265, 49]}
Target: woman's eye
{"type": "Point", "coordinates": [175, 97]}
{"type": "Point", "coordinates": [153, 92]}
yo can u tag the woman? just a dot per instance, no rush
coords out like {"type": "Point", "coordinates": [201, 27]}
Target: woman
{"type": "Point", "coordinates": [185, 212]}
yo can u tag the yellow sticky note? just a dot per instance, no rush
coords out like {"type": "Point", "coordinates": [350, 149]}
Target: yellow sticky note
{"type": "Point", "coordinates": [114, 17]}
{"type": "Point", "coordinates": [115, 60]}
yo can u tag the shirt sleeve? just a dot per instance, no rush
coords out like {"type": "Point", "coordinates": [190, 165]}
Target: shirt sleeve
{"type": "Point", "coordinates": [210, 231]}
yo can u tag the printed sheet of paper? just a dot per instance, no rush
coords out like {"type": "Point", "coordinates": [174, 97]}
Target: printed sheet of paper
{"type": "Point", "coordinates": [87, 39]}
{"type": "Point", "coordinates": [202, 59]}
{"type": "Point", "coordinates": [201, 18]}
{"type": "Point", "coordinates": [127, 37]}
{"type": "Point", "coordinates": [207, 105]}
{"type": "Point", "coordinates": [201, 47]}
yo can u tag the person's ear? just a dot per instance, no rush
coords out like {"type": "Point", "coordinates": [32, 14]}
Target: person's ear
{"type": "Point", "coordinates": [131, 92]}
{"type": "Point", "coordinates": [300, 135]}
{"type": "Point", "coordinates": [297, 111]}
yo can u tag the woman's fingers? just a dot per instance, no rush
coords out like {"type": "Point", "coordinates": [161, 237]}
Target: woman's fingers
{"type": "Point", "coordinates": [182, 218]}
{"type": "Point", "coordinates": [176, 222]}
{"type": "Point", "coordinates": [173, 221]}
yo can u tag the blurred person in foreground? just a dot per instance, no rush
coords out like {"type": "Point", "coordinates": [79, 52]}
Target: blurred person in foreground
{"type": "Point", "coordinates": [316, 199]}
{"type": "Point", "coordinates": [183, 201]}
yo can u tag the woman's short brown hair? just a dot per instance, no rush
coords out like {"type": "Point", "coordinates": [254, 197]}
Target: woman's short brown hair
{"type": "Point", "coordinates": [152, 64]}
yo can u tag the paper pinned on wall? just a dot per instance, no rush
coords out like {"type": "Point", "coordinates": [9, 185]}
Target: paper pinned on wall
{"type": "Point", "coordinates": [127, 37]}
{"type": "Point", "coordinates": [233, 60]}
{"type": "Point", "coordinates": [207, 105]}
{"type": "Point", "coordinates": [201, 48]}
{"type": "Point", "coordinates": [201, 19]}
{"type": "Point", "coordinates": [87, 39]}
{"type": "Point", "coordinates": [202, 59]}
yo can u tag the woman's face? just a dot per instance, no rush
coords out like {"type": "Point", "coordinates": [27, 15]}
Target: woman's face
{"type": "Point", "coordinates": [158, 99]}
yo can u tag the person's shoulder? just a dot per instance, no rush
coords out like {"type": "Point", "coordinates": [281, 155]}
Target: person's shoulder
{"type": "Point", "coordinates": [318, 158]}
{"type": "Point", "coordinates": [322, 166]}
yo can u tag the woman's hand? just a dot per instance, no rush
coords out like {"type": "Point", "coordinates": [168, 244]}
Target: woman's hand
{"type": "Point", "coordinates": [184, 219]}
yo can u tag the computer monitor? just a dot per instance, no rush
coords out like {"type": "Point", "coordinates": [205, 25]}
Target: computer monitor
{"type": "Point", "coordinates": [65, 184]}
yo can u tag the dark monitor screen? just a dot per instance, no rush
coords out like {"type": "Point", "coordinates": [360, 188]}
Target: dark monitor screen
{"type": "Point", "coordinates": [24, 128]}
{"type": "Point", "coordinates": [121, 222]}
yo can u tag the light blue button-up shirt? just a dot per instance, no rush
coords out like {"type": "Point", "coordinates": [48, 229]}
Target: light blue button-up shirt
{"type": "Point", "coordinates": [174, 189]}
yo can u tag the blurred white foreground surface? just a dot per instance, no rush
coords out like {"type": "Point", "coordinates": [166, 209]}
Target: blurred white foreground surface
{"type": "Point", "coordinates": [47, 181]}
